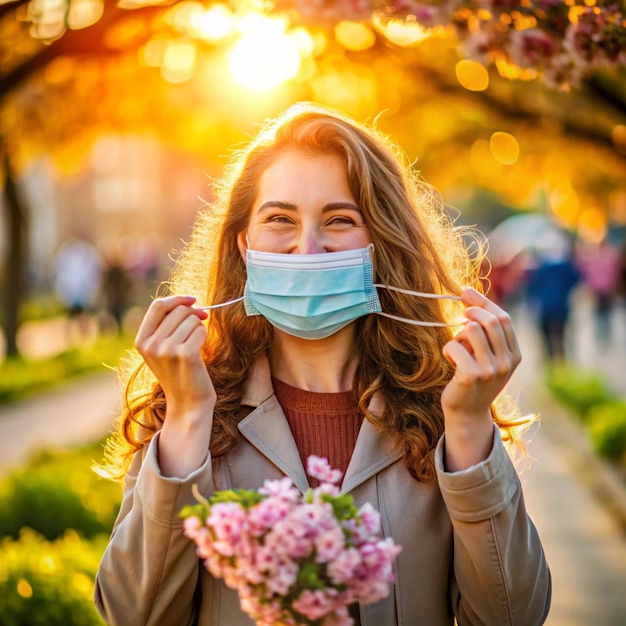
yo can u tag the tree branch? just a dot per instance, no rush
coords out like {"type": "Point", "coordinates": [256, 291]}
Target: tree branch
{"type": "Point", "coordinates": [11, 7]}
{"type": "Point", "coordinates": [612, 91]}
{"type": "Point", "coordinates": [86, 41]}
{"type": "Point", "coordinates": [516, 109]}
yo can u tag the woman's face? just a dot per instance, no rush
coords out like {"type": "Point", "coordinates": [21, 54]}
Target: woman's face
{"type": "Point", "coordinates": [304, 205]}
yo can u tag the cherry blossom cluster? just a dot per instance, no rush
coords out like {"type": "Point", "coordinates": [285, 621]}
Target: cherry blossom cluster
{"type": "Point", "coordinates": [294, 558]}
{"type": "Point", "coordinates": [561, 41]}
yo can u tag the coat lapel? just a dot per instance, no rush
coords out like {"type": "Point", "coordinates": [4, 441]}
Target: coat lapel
{"type": "Point", "coordinates": [266, 428]}
{"type": "Point", "coordinates": [373, 452]}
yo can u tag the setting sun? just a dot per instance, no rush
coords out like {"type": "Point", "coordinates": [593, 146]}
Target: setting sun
{"type": "Point", "coordinates": [264, 56]}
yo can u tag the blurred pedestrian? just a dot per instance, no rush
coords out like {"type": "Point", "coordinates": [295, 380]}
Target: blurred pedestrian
{"type": "Point", "coordinates": [504, 281]}
{"type": "Point", "coordinates": [116, 284]}
{"type": "Point", "coordinates": [334, 284]}
{"type": "Point", "coordinates": [77, 279]}
{"type": "Point", "coordinates": [599, 267]}
{"type": "Point", "coordinates": [549, 290]}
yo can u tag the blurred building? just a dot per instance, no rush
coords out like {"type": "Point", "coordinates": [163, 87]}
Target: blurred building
{"type": "Point", "coordinates": [133, 193]}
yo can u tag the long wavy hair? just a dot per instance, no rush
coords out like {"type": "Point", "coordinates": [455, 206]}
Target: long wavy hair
{"type": "Point", "coordinates": [416, 247]}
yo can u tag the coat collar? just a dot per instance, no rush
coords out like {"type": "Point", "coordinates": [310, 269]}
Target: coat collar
{"type": "Point", "coordinates": [266, 428]}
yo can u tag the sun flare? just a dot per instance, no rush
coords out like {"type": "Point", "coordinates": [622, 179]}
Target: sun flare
{"type": "Point", "coordinates": [264, 56]}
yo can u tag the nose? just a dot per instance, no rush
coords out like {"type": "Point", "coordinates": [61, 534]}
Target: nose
{"type": "Point", "coordinates": [309, 242]}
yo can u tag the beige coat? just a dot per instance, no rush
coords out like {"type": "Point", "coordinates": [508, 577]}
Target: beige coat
{"type": "Point", "coordinates": [469, 549]}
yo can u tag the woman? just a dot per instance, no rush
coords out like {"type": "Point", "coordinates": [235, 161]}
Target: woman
{"type": "Point", "coordinates": [373, 378]}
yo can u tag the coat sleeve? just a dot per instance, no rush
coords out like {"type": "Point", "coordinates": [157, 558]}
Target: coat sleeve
{"type": "Point", "coordinates": [149, 571]}
{"type": "Point", "coordinates": [501, 576]}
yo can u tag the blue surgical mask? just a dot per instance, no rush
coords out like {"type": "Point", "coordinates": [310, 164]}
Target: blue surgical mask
{"type": "Point", "coordinates": [312, 296]}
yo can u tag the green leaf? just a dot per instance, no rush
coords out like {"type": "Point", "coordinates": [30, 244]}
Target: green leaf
{"type": "Point", "coordinates": [194, 510]}
{"type": "Point", "coordinates": [343, 506]}
{"type": "Point", "coordinates": [245, 497]}
{"type": "Point", "coordinates": [308, 577]}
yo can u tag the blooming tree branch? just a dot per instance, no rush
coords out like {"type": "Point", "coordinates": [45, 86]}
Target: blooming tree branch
{"type": "Point", "coordinates": [559, 41]}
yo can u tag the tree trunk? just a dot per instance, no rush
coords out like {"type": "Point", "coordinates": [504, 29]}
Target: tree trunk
{"type": "Point", "coordinates": [15, 262]}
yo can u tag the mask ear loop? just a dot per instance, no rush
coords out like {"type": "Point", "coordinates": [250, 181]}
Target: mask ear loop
{"type": "Point", "coordinates": [441, 296]}
{"type": "Point", "coordinates": [420, 294]}
{"type": "Point", "coordinates": [221, 304]}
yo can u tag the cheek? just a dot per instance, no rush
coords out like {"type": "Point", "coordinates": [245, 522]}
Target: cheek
{"type": "Point", "coordinates": [364, 236]}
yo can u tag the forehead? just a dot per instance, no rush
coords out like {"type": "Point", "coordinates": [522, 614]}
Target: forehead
{"type": "Point", "coordinates": [296, 171]}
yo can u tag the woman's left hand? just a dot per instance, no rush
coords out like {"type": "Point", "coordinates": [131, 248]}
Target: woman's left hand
{"type": "Point", "coordinates": [485, 354]}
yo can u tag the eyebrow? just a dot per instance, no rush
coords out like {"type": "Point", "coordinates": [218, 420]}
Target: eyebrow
{"type": "Point", "coordinates": [331, 206]}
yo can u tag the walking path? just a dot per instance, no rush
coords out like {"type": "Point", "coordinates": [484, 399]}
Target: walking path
{"type": "Point", "coordinates": [576, 502]}
{"type": "Point", "coordinates": [77, 413]}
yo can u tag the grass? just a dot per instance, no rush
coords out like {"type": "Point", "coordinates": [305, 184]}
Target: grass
{"type": "Point", "coordinates": [21, 377]}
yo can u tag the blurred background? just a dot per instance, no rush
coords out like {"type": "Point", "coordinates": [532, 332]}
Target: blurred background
{"type": "Point", "coordinates": [115, 117]}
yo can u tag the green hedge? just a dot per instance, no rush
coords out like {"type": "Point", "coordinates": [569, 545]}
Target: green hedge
{"type": "Point", "coordinates": [45, 583]}
{"type": "Point", "coordinates": [601, 411]}
{"type": "Point", "coordinates": [579, 390]}
{"type": "Point", "coordinates": [57, 491]}
{"type": "Point", "coordinates": [55, 520]}
{"type": "Point", "coordinates": [607, 430]}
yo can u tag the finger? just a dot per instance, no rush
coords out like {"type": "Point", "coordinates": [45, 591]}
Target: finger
{"type": "Point", "coordinates": [492, 329]}
{"type": "Point", "coordinates": [182, 334]}
{"type": "Point", "coordinates": [173, 320]}
{"type": "Point", "coordinates": [159, 309]}
{"type": "Point", "coordinates": [474, 335]}
{"type": "Point", "coordinates": [472, 298]}
{"type": "Point", "coordinates": [461, 359]}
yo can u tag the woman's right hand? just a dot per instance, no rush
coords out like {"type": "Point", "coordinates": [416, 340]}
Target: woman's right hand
{"type": "Point", "coordinates": [170, 340]}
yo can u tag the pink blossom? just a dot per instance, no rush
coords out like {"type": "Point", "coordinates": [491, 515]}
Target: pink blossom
{"type": "Point", "coordinates": [282, 488]}
{"type": "Point", "coordinates": [315, 603]}
{"type": "Point", "coordinates": [329, 544]}
{"type": "Point", "coordinates": [325, 489]}
{"type": "Point", "coordinates": [341, 568]}
{"type": "Point", "coordinates": [283, 578]}
{"type": "Point", "coordinates": [370, 518]}
{"type": "Point", "coordinates": [532, 47]}
{"type": "Point", "coordinates": [191, 525]}
{"type": "Point", "coordinates": [260, 550]}
{"type": "Point", "coordinates": [228, 521]}
{"type": "Point", "coordinates": [266, 514]}
{"type": "Point", "coordinates": [289, 538]}
{"type": "Point", "coordinates": [318, 467]}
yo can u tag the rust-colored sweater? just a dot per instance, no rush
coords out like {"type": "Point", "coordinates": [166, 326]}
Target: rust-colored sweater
{"type": "Point", "coordinates": [324, 424]}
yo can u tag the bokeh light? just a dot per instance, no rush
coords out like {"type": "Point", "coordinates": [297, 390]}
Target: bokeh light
{"type": "Point", "coordinates": [504, 148]}
{"type": "Point", "coordinates": [565, 203]}
{"type": "Point", "coordinates": [472, 75]}
{"type": "Point", "coordinates": [213, 24]}
{"type": "Point", "coordinates": [402, 32]}
{"type": "Point", "coordinates": [24, 588]}
{"type": "Point", "coordinates": [354, 35]}
{"type": "Point", "coordinates": [619, 138]}
{"type": "Point", "coordinates": [592, 224]}
{"type": "Point", "coordinates": [179, 61]}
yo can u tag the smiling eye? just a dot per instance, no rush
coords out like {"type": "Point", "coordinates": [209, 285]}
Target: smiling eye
{"type": "Point", "coordinates": [279, 219]}
{"type": "Point", "coordinates": [340, 220]}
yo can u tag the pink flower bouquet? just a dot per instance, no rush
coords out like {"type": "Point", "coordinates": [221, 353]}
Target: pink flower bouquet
{"type": "Point", "coordinates": [294, 558]}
